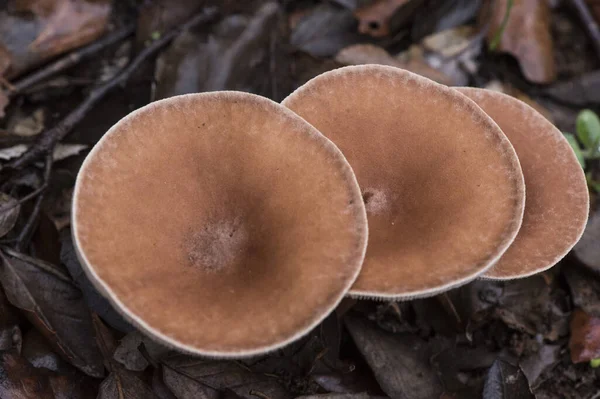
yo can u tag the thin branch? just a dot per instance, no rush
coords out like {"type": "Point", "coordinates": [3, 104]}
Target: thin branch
{"type": "Point", "coordinates": [589, 22]}
{"type": "Point", "coordinates": [48, 139]}
{"type": "Point", "coordinates": [26, 198]}
{"type": "Point", "coordinates": [28, 229]}
{"type": "Point", "coordinates": [69, 60]}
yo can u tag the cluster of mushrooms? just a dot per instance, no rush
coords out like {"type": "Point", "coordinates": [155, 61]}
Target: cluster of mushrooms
{"type": "Point", "coordinates": [227, 225]}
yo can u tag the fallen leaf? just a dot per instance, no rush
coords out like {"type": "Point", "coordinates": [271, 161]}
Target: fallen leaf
{"type": "Point", "coordinates": [54, 305]}
{"type": "Point", "coordinates": [158, 385]}
{"type": "Point", "coordinates": [20, 380]}
{"type": "Point", "coordinates": [15, 151]}
{"type": "Point", "coordinates": [229, 58]}
{"type": "Point", "coordinates": [9, 213]}
{"type": "Point", "coordinates": [325, 31]}
{"type": "Point", "coordinates": [96, 302]}
{"type": "Point", "coordinates": [505, 381]}
{"type": "Point", "coordinates": [400, 362]}
{"type": "Point", "coordinates": [120, 383]}
{"type": "Point", "coordinates": [124, 386]}
{"type": "Point", "coordinates": [28, 125]}
{"type": "Point", "coordinates": [382, 17]}
{"type": "Point", "coordinates": [189, 377]}
{"type": "Point", "coordinates": [533, 306]}
{"type": "Point", "coordinates": [584, 342]}
{"type": "Point", "coordinates": [128, 354]}
{"type": "Point", "coordinates": [38, 352]}
{"type": "Point", "coordinates": [585, 288]}
{"type": "Point", "coordinates": [63, 151]}
{"type": "Point", "coordinates": [538, 363]}
{"type": "Point", "coordinates": [73, 386]}
{"type": "Point", "coordinates": [37, 30]}
{"type": "Point", "coordinates": [526, 36]}
{"type": "Point", "coordinates": [360, 54]}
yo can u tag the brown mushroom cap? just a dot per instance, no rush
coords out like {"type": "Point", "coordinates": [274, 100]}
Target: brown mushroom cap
{"type": "Point", "coordinates": [557, 204]}
{"type": "Point", "coordinates": [442, 185]}
{"type": "Point", "coordinates": [219, 223]}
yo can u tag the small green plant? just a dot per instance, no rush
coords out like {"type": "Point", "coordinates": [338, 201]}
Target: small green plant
{"type": "Point", "coordinates": [586, 144]}
{"type": "Point", "coordinates": [595, 363]}
{"type": "Point", "coordinates": [498, 36]}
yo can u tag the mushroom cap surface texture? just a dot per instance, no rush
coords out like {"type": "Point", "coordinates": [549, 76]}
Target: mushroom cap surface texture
{"type": "Point", "coordinates": [442, 185]}
{"type": "Point", "coordinates": [557, 204]}
{"type": "Point", "coordinates": [220, 223]}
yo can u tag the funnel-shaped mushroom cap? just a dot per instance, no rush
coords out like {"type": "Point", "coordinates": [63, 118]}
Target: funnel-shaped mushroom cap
{"type": "Point", "coordinates": [442, 185]}
{"type": "Point", "coordinates": [557, 204]}
{"type": "Point", "coordinates": [220, 223]}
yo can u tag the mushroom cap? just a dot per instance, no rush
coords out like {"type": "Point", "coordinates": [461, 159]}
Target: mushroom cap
{"type": "Point", "coordinates": [220, 223]}
{"type": "Point", "coordinates": [442, 185]}
{"type": "Point", "coordinates": [557, 204]}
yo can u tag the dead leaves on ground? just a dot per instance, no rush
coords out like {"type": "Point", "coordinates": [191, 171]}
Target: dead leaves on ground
{"type": "Point", "coordinates": [526, 36]}
{"type": "Point", "coordinates": [54, 305]}
{"type": "Point", "coordinates": [33, 31]}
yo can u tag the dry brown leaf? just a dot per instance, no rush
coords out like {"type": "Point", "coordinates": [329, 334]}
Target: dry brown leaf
{"type": "Point", "coordinates": [46, 28]}
{"type": "Point", "coordinates": [526, 36]}
{"type": "Point", "coordinates": [70, 24]}
{"type": "Point", "coordinates": [413, 61]}
{"type": "Point", "coordinates": [375, 18]}
{"type": "Point", "coordinates": [584, 343]}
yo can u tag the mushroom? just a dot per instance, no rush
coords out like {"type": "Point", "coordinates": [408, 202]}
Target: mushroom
{"type": "Point", "coordinates": [557, 205]}
{"type": "Point", "coordinates": [442, 185]}
{"type": "Point", "coordinates": [220, 223]}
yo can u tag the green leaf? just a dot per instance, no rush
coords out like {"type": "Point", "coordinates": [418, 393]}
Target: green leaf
{"type": "Point", "coordinates": [595, 363]}
{"type": "Point", "coordinates": [588, 129]}
{"type": "Point", "coordinates": [576, 148]}
{"type": "Point", "coordinates": [498, 36]}
{"type": "Point", "coordinates": [593, 184]}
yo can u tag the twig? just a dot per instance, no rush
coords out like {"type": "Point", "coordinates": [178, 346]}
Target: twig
{"type": "Point", "coordinates": [24, 199]}
{"type": "Point", "coordinates": [258, 394]}
{"type": "Point", "coordinates": [28, 229]}
{"type": "Point", "coordinates": [70, 60]}
{"type": "Point", "coordinates": [48, 139]}
{"type": "Point", "coordinates": [590, 23]}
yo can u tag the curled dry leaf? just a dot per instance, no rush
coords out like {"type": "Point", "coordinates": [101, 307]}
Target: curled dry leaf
{"type": "Point", "coordinates": [526, 36]}
{"type": "Point", "coordinates": [381, 17]}
{"type": "Point", "coordinates": [36, 30]}
{"type": "Point", "coordinates": [584, 343]}
{"type": "Point", "coordinates": [55, 306]}
{"type": "Point", "coordinates": [505, 381]}
{"type": "Point", "coordinates": [9, 213]}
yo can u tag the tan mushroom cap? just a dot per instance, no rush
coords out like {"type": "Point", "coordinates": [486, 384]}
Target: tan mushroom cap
{"type": "Point", "coordinates": [557, 205]}
{"type": "Point", "coordinates": [220, 223]}
{"type": "Point", "coordinates": [442, 185]}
